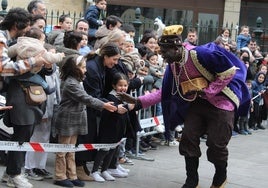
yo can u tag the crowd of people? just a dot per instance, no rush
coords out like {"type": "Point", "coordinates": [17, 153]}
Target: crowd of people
{"type": "Point", "coordinates": [89, 73]}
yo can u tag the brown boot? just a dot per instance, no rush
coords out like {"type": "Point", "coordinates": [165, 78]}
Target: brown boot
{"type": "Point", "coordinates": [81, 174]}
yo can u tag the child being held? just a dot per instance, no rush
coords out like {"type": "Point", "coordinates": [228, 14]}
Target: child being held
{"type": "Point", "coordinates": [156, 70]}
{"type": "Point", "coordinates": [148, 79]}
{"type": "Point", "coordinates": [92, 15]}
{"type": "Point", "coordinates": [130, 55]}
{"type": "Point", "coordinates": [243, 38]}
{"type": "Point", "coordinates": [84, 49]}
{"type": "Point", "coordinates": [31, 45]}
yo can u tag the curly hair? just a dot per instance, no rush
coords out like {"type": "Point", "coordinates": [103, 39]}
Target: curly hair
{"type": "Point", "coordinates": [16, 17]}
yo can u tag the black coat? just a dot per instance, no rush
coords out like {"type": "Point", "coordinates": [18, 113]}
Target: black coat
{"type": "Point", "coordinates": [94, 86]}
{"type": "Point", "coordinates": [134, 83]}
{"type": "Point", "coordinates": [112, 125]}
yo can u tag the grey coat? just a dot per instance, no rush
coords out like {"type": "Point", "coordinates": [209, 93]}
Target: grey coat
{"type": "Point", "coordinates": [71, 118]}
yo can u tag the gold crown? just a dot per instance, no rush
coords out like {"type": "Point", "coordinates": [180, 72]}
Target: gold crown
{"type": "Point", "coordinates": [173, 30]}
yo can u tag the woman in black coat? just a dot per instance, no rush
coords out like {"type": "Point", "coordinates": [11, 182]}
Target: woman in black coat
{"type": "Point", "coordinates": [94, 85]}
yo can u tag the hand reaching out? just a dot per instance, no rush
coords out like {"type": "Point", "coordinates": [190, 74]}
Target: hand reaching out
{"type": "Point", "coordinates": [109, 106]}
{"type": "Point", "coordinates": [6, 107]}
{"type": "Point", "coordinates": [126, 97]}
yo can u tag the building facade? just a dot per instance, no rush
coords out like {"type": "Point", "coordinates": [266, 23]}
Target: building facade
{"type": "Point", "coordinates": [61, 5]}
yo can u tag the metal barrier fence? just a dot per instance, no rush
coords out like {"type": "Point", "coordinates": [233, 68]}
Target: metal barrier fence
{"type": "Point", "coordinates": [150, 122]}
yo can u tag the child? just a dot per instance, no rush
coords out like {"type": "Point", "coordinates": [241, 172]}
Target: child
{"type": "Point", "coordinates": [155, 70]}
{"type": "Point", "coordinates": [71, 118]}
{"type": "Point", "coordinates": [31, 45]}
{"type": "Point", "coordinates": [243, 120]}
{"type": "Point", "coordinates": [55, 37]}
{"type": "Point", "coordinates": [243, 38]}
{"type": "Point", "coordinates": [130, 55]}
{"type": "Point", "coordinates": [112, 129]}
{"type": "Point", "coordinates": [258, 88]}
{"type": "Point", "coordinates": [92, 15]}
{"type": "Point", "coordinates": [84, 49]}
{"type": "Point", "coordinates": [148, 79]}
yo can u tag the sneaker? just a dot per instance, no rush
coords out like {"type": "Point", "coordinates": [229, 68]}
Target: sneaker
{"type": "Point", "coordinates": [117, 173]}
{"type": "Point", "coordinates": [132, 153]}
{"type": "Point", "coordinates": [43, 173]}
{"type": "Point", "coordinates": [107, 176]}
{"type": "Point", "coordinates": [64, 183]}
{"type": "Point", "coordinates": [234, 134]}
{"type": "Point", "coordinates": [123, 169]}
{"type": "Point", "coordinates": [32, 176]}
{"type": "Point", "coordinates": [173, 143]}
{"type": "Point", "coordinates": [5, 177]}
{"type": "Point", "coordinates": [78, 183]}
{"type": "Point", "coordinates": [125, 161]}
{"type": "Point", "coordinates": [243, 132]}
{"type": "Point", "coordinates": [97, 177]}
{"type": "Point", "coordinates": [179, 129]}
{"type": "Point", "coordinates": [248, 131]}
{"type": "Point", "coordinates": [19, 182]}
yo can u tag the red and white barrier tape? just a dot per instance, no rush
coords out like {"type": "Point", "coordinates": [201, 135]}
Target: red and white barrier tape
{"type": "Point", "coordinates": [48, 147]}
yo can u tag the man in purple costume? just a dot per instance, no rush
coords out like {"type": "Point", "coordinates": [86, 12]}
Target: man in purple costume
{"type": "Point", "coordinates": [203, 88]}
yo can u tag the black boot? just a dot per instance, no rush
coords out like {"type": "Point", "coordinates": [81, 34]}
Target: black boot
{"type": "Point", "coordinates": [192, 179]}
{"type": "Point", "coordinates": [220, 175]}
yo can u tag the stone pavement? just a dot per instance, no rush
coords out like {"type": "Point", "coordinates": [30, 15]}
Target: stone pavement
{"type": "Point", "coordinates": [248, 167]}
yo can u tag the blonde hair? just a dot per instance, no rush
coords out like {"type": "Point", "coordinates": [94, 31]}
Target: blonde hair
{"type": "Point", "coordinates": [116, 35]}
{"type": "Point", "coordinates": [113, 36]}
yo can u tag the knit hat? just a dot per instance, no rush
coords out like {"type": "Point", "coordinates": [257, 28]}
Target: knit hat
{"type": "Point", "coordinates": [129, 39]}
{"type": "Point", "coordinates": [171, 36]}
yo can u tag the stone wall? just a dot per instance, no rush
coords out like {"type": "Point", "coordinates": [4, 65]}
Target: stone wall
{"type": "Point", "coordinates": [232, 13]}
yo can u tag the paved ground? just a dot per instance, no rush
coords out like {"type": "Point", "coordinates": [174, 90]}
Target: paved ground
{"type": "Point", "coordinates": [248, 167]}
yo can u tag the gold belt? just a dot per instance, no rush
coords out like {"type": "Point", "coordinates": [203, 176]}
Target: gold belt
{"type": "Point", "coordinates": [195, 84]}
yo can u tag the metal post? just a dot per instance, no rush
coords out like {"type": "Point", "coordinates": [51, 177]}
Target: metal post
{"type": "Point", "coordinates": [4, 4]}
{"type": "Point", "coordinates": [137, 23]}
{"type": "Point", "coordinates": [258, 31]}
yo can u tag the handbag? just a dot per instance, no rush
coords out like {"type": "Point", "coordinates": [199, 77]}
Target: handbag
{"type": "Point", "coordinates": [34, 94]}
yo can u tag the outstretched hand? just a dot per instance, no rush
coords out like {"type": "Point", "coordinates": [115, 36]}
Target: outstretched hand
{"type": "Point", "coordinates": [6, 107]}
{"type": "Point", "coordinates": [126, 97]}
{"type": "Point", "coordinates": [110, 106]}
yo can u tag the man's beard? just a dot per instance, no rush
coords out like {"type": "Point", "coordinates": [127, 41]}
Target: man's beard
{"type": "Point", "coordinates": [172, 56]}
